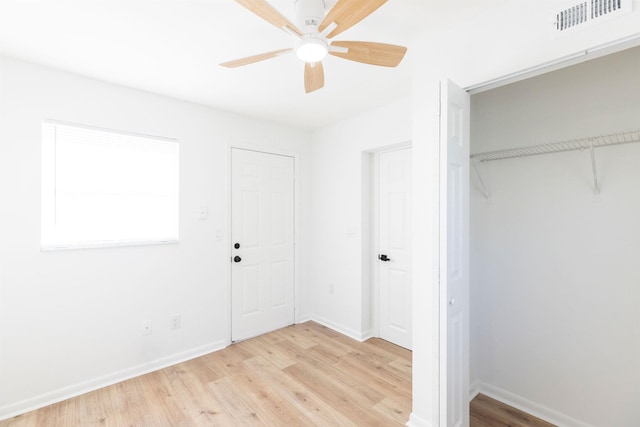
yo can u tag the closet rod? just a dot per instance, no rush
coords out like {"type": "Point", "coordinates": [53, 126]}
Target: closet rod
{"type": "Point", "coordinates": [557, 147]}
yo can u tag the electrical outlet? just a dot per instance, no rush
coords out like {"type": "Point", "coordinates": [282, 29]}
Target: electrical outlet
{"type": "Point", "coordinates": [203, 212]}
{"type": "Point", "coordinates": [146, 328]}
{"type": "Point", "coordinates": [175, 321]}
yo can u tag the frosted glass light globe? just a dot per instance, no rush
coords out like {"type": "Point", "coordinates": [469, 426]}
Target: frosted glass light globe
{"type": "Point", "coordinates": [312, 50]}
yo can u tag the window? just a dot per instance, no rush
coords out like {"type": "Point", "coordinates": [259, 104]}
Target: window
{"type": "Point", "coordinates": [107, 188]}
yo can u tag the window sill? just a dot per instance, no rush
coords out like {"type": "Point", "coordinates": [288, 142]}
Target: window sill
{"type": "Point", "coordinates": [102, 245]}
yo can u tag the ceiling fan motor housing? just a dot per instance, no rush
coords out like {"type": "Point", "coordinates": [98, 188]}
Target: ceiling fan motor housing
{"type": "Point", "coordinates": [309, 14]}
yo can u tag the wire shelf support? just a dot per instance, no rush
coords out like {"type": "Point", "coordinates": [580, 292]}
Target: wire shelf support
{"type": "Point", "coordinates": [589, 143]}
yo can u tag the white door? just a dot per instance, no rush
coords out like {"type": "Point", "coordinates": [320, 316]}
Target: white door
{"type": "Point", "coordinates": [454, 256]}
{"type": "Point", "coordinates": [262, 239]}
{"type": "Point", "coordinates": [394, 258]}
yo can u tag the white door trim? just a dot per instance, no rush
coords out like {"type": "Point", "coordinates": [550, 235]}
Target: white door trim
{"type": "Point", "coordinates": [296, 206]}
{"type": "Point", "coordinates": [557, 64]}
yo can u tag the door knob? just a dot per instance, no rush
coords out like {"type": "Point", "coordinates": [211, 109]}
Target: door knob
{"type": "Point", "coordinates": [383, 257]}
{"type": "Point", "coordinates": [237, 259]}
{"type": "Point", "coordinates": [237, 246]}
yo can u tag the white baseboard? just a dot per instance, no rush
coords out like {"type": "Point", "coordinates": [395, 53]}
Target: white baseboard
{"type": "Point", "coordinates": [68, 392]}
{"type": "Point", "coordinates": [416, 421]}
{"type": "Point", "coordinates": [367, 334]}
{"type": "Point", "coordinates": [474, 390]}
{"type": "Point", "coordinates": [303, 319]}
{"type": "Point", "coordinates": [351, 333]}
{"type": "Point", "coordinates": [537, 410]}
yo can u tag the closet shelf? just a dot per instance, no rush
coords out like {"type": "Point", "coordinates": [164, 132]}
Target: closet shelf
{"type": "Point", "coordinates": [557, 147]}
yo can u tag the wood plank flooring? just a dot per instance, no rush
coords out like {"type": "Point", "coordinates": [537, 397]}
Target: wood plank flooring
{"type": "Point", "coordinates": [303, 375]}
{"type": "Point", "coordinates": [488, 412]}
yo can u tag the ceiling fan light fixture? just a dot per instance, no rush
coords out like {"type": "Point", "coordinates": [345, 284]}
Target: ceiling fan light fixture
{"type": "Point", "coordinates": [312, 50]}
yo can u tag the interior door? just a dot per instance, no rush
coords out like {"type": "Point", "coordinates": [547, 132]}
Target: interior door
{"type": "Point", "coordinates": [394, 259]}
{"type": "Point", "coordinates": [262, 238]}
{"type": "Point", "coordinates": [454, 255]}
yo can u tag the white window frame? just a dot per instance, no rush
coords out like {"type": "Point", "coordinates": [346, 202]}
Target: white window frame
{"type": "Point", "coordinates": [54, 237]}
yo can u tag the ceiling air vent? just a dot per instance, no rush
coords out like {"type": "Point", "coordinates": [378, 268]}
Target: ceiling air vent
{"type": "Point", "coordinates": [590, 12]}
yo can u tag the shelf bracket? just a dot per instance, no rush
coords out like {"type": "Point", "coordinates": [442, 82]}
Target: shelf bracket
{"type": "Point", "coordinates": [483, 187]}
{"type": "Point", "coordinates": [596, 184]}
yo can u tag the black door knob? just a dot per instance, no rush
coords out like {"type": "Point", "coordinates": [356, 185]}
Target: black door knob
{"type": "Point", "coordinates": [383, 257]}
{"type": "Point", "coordinates": [237, 259]}
{"type": "Point", "coordinates": [237, 246]}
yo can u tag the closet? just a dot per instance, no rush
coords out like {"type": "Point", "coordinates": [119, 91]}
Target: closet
{"type": "Point", "coordinates": [555, 243]}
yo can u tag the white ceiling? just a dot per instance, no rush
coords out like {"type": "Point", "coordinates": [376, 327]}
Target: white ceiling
{"type": "Point", "coordinates": [173, 47]}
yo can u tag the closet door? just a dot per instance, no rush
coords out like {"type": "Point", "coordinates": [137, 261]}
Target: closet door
{"type": "Point", "coordinates": [454, 256]}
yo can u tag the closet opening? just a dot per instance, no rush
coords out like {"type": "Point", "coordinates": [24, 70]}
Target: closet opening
{"type": "Point", "coordinates": [554, 242]}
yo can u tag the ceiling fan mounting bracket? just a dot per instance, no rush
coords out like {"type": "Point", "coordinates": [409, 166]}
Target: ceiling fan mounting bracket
{"type": "Point", "coordinates": [309, 14]}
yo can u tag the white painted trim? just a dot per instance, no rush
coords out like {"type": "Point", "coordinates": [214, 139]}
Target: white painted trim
{"type": "Point", "coordinates": [557, 64]}
{"type": "Point", "coordinates": [351, 333]}
{"type": "Point", "coordinates": [304, 319]}
{"type": "Point", "coordinates": [97, 383]}
{"type": "Point", "coordinates": [107, 244]}
{"type": "Point", "coordinates": [296, 219]}
{"type": "Point", "coordinates": [366, 334]}
{"type": "Point", "coordinates": [375, 242]}
{"type": "Point", "coordinates": [533, 408]}
{"type": "Point", "coordinates": [114, 131]}
{"type": "Point", "coordinates": [474, 390]}
{"type": "Point", "coordinates": [416, 421]}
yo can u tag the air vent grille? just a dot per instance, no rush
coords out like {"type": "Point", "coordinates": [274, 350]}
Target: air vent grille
{"type": "Point", "coordinates": [589, 11]}
{"type": "Point", "coordinates": [603, 7]}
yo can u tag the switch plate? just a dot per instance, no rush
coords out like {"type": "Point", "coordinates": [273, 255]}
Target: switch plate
{"type": "Point", "coordinates": [175, 321]}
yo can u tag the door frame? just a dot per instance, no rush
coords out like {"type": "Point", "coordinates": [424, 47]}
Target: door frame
{"type": "Point", "coordinates": [374, 232]}
{"type": "Point", "coordinates": [267, 149]}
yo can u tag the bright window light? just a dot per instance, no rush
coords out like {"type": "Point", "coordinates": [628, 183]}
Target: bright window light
{"type": "Point", "coordinates": [107, 188]}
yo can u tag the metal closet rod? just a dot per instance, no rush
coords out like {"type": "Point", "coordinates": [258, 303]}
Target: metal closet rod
{"type": "Point", "coordinates": [557, 147]}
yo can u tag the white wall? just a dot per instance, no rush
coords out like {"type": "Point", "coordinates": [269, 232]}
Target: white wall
{"type": "Point", "coordinates": [72, 320]}
{"type": "Point", "coordinates": [507, 38]}
{"type": "Point", "coordinates": [555, 281]}
{"type": "Point", "coordinates": [337, 213]}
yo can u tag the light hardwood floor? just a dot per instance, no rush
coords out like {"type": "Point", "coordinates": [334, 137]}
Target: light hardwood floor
{"type": "Point", "coordinates": [303, 375]}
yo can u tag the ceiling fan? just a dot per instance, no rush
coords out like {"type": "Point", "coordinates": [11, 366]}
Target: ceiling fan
{"type": "Point", "coordinates": [314, 32]}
